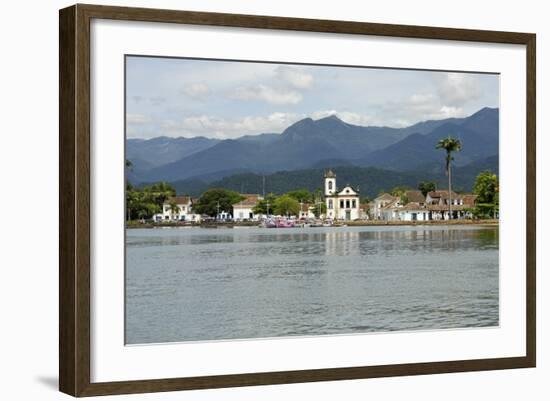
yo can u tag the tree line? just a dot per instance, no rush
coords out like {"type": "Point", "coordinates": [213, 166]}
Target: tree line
{"type": "Point", "coordinates": [143, 203]}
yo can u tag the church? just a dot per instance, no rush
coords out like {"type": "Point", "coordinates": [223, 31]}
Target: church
{"type": "Point", "coordinates": [341, 204]}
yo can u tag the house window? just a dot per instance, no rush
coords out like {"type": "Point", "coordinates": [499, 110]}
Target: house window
{"type": "Point", "coordinates": [347, 191]}
{"type": "Point", "coordinates": [330, 205]}
{"type": "Point", "coordinates": [347, 204]}
{"type": "Point", "coordinates": [354, 204]}
{"type": "Point", "coordinates": [341, 204]}
{"type": "Point", "coordinates": [330, 185]}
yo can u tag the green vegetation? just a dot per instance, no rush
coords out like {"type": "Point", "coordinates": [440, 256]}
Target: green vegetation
{"type": "Point", "coordinates": [217, 200]}
{"type": "Point", "coordinates": [289, 203]}
{"type": "Point", "coordinates": [302, 195]}
{"type": "Point", "coordinates": [286, 205]}
{"type": "Point", "coordinates": [319, 208]}
{"type": "Point", "coordinates": [426, 186]}
{"type": "Point", "coordinates": [144, 203]}
{"type": "Point", "coordinates": [487, 191]}
{"type": "Point", "coordinates": [401, 192]}
{"type": "Point", "coordinates": [265, 206]}
{"type": "Point", "coordinates": [370, 180]}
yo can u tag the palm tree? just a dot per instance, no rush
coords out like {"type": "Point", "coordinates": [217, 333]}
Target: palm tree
{"type": "Point", "coordinates": [450, 145]}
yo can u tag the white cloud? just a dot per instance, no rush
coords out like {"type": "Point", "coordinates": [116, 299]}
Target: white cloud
{"type": "Point", "coordinates": [224, 128]}
{"type": "Point", "coordinates": [268, 94]}
{"type": "Point", "coordinates": [413, 109]}
{"type": "Point", "coordinates": [294, 77]}
{"type": "Point", "coordinates": [133, 118]}
{"type": "Point", "coordinates": [157, 100]}
{"type": "Point", "coordinates": [197, 90]}
{"type": "Point", "coordinates": [456, 89]}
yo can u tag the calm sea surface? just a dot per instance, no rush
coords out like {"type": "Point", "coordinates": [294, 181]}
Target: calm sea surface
{"type": "Point", "coordinates": [187, 284]}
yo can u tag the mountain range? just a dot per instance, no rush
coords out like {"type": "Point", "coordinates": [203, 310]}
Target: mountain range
{"type": "Point", "coordinates": [310, 145]}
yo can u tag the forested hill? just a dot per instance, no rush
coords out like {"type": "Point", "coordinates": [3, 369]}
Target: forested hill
{"type": "Point", "coordinates": [369, 180]}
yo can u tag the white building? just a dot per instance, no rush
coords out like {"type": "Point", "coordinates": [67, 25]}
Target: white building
{"type": "Point", "coordinates": [435, 206]}
{"type": "Point", "coordinates": [381, 206]}
{"type": "Point", "coordinates": [461, 205]}
{"type": "Point", "coordinates": [341, 204]}
{"type": "Point", "coordinates": [243, 210]}
{"type": "Point", "coordinates": [307, 211]}
{"type": "Point", "coordinates": [413, 211]}
{"type": "Point", "coordinates": [177, 208]}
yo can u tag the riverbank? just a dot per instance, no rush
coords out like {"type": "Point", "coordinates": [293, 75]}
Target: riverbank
{"type": "Point", "coordinates": [374, 223]}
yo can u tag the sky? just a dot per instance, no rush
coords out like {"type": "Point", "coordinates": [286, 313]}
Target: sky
{"type": "Point", "coordinates": [228, 99]}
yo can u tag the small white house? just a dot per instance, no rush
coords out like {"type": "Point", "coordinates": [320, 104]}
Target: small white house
{"type": "Point", "coordinates": [390, 212]}
{"type": "Point", "coordinates": [413, 211]}
{"type": "Point", "coordinates": [434, 207]}
{"type": "Point", "coordinates": [442, 198]}
{"type": "Point", "coordinates": [460, 204]}
{"type": "Point", "coordinates": [177, 208]}
{"type": "Point", "coordinates": [307, 211]}
{"type": "Point", "coordinates": [243, 210]}
{"type": "Point", "coordinates": [380, 206]}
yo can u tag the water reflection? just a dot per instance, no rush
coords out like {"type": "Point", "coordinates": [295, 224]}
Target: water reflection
{"type": "Point", "coordinates": [203, 284]}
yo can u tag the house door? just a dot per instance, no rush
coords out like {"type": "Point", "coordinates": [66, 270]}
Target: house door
{"type": "Point", "coordinates": [348, 215]}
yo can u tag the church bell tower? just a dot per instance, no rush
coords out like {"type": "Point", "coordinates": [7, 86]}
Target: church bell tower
{"type": "Point", "coordinates": [330, 183]}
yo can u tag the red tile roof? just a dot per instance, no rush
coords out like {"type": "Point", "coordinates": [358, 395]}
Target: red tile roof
{"type": "Point", "coordinates": [250, 200]}
{"type": "Point", "coordinates": [385, 196]}
{"type": "Point", "coordinates": [179, 200]}
{"type": "Point", "coordinates": [443, 194]}
{"type": "Point", "coordinates": [415, 196]}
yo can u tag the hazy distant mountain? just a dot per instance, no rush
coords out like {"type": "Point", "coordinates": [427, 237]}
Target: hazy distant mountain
{"type": "Point", "coordinates": [310, 144]}
{"type": "Point", "coordinates": [300, 145]}
{"type": "Point", "coordinates": [161, 150]}
{"type": "Point", "coordinates": [478, 133]}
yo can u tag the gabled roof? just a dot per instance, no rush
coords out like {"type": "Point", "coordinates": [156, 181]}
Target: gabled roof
{"type": "Point", "coordinates": [445, 208]}
{"type": "Point", "coordinates": [178, 200]}
{"type": "Point", "coordinates": [350, 189]}
{"type": "Point", "coordinates": [250, 200]}
{"type": "Point", "coordinates": [415, 196]}
{"type": "Point", "coordinates": [469, 200]}
{"type": "Point", "coordinates": [252, 197]}
{"type": "Point", "coordinates": [385, 196]}
{"type": "Point", "coordinates": [443, 194]}
{"type": "Point", "coordinates": [391, 205]}
{"type": "Point", "coordinates": [413, 206]}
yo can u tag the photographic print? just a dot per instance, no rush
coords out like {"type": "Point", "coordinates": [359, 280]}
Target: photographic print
{"type": "Point", "coordinates": [272, 200]}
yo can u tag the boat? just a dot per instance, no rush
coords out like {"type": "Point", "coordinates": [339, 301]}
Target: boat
{"type": "Point", "coordinates": [268, 223]}
{"type": "Point", "coordinates": [283, 223]}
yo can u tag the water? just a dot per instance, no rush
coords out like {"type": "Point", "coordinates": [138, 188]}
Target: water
{"type": "Point", "coordinates": [188, 284]}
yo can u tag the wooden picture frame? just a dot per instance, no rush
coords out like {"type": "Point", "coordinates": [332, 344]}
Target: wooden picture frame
{"type": "Point", "coordinates": [74, 200]}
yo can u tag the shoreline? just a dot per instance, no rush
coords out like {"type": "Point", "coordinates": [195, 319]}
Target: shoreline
{"type": "Point", "coordinates": [373, 223]}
